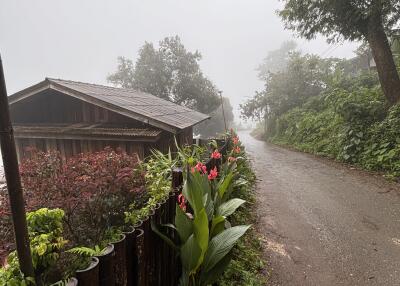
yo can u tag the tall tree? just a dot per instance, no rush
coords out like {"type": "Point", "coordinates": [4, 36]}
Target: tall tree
{"type": "Point", "coordinates": [368, 20]}
{"type": "Point", "coordinates": [170, 72]}
{"type": "Point", "coordinates": [276, 60]}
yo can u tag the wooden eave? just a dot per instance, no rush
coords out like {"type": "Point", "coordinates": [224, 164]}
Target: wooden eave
{"type": "Point", "coordinates": [74, 132]}
{"type": "Point", "coordinates": [46, 84]}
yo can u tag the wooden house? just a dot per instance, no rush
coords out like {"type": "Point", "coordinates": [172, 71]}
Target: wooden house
{"type": "Point", "coordinates": [75, 117]}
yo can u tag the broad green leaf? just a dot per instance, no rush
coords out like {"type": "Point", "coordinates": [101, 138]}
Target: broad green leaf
{"type": "Point", "coordinates": [184, 225]}
{"type": "Point", "coordinates": [210, 277]}
{"type": "Point", "coordinates": [190, 254]}
{"type": "Point", "coordinates": [229, 207]}
{"type": "Point", "coordinates": [193, 190]}
{"type": "Point", "coordinates": [201, 232]}
{"type": "Point", "coordinates": [221, 245]}
{"type": "Point", "coordinates": [209, 206]}
{"type": "Point", "coordinates": [225, 184]}
{"type": "Point", "coordinates": [184, 279]}
{"type": "Point", "coordinates": [218, 225]}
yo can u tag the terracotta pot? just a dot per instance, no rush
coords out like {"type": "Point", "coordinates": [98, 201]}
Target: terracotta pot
{"type": "Point", "coordinates": [90, 275]}
{"type": "Point", "coordinates": [106, 267]}
{"type": "Point", "coordinates": [120, 261]}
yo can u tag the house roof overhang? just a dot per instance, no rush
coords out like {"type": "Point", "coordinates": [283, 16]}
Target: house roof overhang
{"type": "Point", "coordinates": [86, 132]}
{"type": "Point", "coordinates": [49, 84]}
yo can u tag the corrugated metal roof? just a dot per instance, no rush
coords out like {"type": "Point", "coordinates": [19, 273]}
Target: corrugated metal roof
{"type": "Point", "coordinates": [96, 130]}
{"type": "Point", "coordinates": [158, 111]}
{"type": "Point", "coordinates": [139, 102]}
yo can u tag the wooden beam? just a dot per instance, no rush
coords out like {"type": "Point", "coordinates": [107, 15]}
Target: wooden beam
{"type": "Point", "coordinates": [13, 180]}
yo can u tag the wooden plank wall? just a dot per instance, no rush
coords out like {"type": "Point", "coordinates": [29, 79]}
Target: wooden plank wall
{"type": "Point", "coordinates": [68, 148]}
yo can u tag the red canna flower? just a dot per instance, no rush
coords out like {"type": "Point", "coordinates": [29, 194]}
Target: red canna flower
{"type": "Point", "coordinates": [237, 149]}
{"type": "Point", "coordinates": [193, 169]}
{"type": "Point", "coordinates": [213, 174]}
{"type": "Point", "coordinates": [201, 168]}
{"type": "Point", "coordinates": [232, 159]}
{"type": "Point", "coordinates": [235, 140]}
{"type": "Point", "coordinates": [198, 166]}
{"type": "Point", "coordinates": [216, 155]}
{"type": "Point", "coordinates": [181, 202]}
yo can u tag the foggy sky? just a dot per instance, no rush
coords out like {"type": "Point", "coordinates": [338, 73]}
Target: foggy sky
{"type": "Point", "coordinates": [81, 39]}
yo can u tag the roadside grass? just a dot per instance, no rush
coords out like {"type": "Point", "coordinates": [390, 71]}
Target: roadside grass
{"type": "Point", "coordinates": [247, 267]}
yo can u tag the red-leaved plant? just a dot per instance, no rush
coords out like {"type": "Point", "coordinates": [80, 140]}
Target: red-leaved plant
{"type": "Point", "coordinates": [93, 189]}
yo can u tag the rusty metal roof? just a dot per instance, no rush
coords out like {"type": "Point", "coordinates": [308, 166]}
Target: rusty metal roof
{"type": "Point", "coordinates": [132, 103]}
{"type": "Point", "coordinates": [74, 131]}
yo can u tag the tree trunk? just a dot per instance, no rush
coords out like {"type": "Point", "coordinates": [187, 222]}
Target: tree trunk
{"type": "Point", "coordinates": [387, 72]}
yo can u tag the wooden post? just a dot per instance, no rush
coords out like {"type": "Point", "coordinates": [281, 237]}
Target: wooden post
{"type": "Point", "coordinates": [177, 183]}
{"type": "Point", "coordinates": [13, 180]}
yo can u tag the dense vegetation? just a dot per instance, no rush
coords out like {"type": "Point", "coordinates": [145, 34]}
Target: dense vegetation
{"type": "Point", "coordinates": [210, 219]}
{"type": "Point", "coordinates": [370, 21]}
{"type": "Point", "coordinates": [247, 266]}
{"type": "Point", "coordinates": [77, 207]}
{"type": "Point", "coordinates": [331, 107]}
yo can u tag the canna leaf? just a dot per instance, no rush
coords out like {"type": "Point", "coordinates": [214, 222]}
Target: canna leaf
{"type": "Point", "coordinates": [201, 233]}
{"type": "Point", "coordinates": [190, 254]}
{"type": "Point", "coordinates": [184, 225]}
{"type": "Point", "coordinates": [221, 245]}
{"type": "Point", "coordinates": [229, 207]}
{"type": "Point", "coordinates": [218, 225]}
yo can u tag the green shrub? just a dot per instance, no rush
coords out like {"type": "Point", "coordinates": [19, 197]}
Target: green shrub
{"type": "Point", "coordinates": [351, 124]}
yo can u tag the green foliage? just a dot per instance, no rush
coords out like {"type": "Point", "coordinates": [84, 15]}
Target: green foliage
{"type": "Point", "coordinates": [351, 125]}
{"type": "Point", "coordinates": [45, 233]}
{"type": "Point", "coordinates": [306, 76]}
{"type": "Point", "coordinates": [170, 72]}
{"type": "Point", "coordinates": [277, 60]}
{"type": "Point", "coordinates": [339, 19]}
{"type": "Point", "coordinates": [247, 263]}
{"type": "Point", "coordinates": [87, 251]}
{"type": "Point", "coordinates": [206, 238]}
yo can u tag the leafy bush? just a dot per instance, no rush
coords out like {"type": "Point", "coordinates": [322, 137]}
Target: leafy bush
{"type": "Point", "coordinates": [351, 124]}
{"type": "Point", "coordinates": [45, 233]}
{"type": "Point", "coordinates": [93, 190]}
{"type": "Point", "coordinates": [247, 264]}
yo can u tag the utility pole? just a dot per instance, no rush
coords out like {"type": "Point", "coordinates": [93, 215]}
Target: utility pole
{"type": "Point", "coordinates": [223, 110]}
{"type": "Point", "coordinates": [13, 180]}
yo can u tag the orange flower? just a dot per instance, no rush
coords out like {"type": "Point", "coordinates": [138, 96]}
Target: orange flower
{"type": "Point", "coordinates": [213, 174]}
{"type": "Point", "coordinates": [237, 149]}
{"type": "Point", "coordinates": [235, 140]}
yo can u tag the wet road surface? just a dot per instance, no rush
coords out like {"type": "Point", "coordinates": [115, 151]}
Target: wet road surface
{"type": "Point", "coordinates": [324, 223]}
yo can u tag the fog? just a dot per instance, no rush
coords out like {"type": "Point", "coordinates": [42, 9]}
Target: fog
{"type": "Point", "coordinates": [81, 40]}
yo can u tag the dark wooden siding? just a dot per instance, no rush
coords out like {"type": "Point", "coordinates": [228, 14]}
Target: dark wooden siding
{"type": "Point", "coordinates": [51, 107]}
{"type": "Point", "coordinates": [54, 107]}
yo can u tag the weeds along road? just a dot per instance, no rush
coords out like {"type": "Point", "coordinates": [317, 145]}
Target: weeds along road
{"type": "Point", "coordinates": [325, 223]}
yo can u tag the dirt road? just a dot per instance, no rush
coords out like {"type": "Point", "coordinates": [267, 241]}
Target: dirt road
{"type": "Point", "coordinates": [324, 223]}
